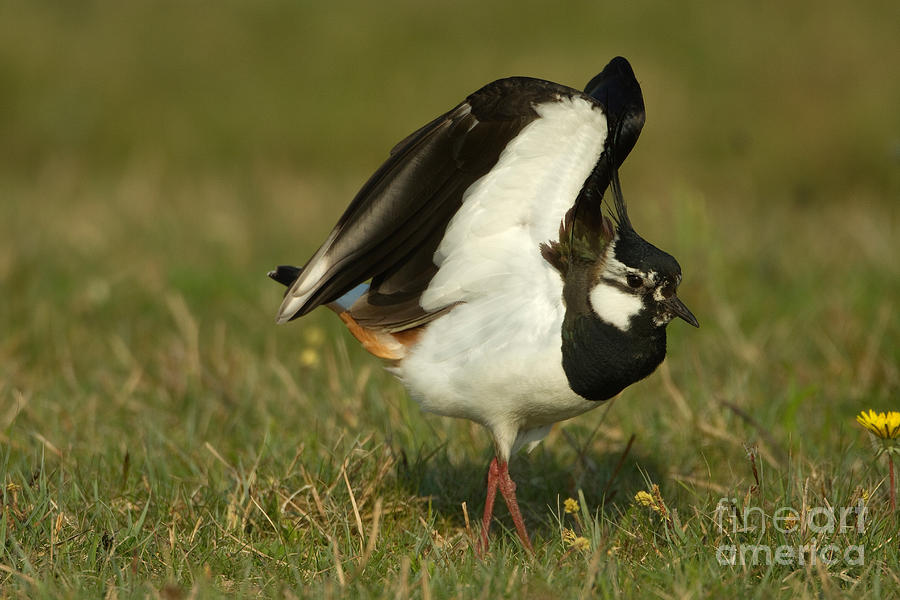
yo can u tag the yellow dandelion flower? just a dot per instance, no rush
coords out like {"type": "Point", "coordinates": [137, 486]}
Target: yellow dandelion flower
{"type": "Point", "coordinates": [570, 506]}
{"type": "Point", "coordinates": [644, 499]}
{"type": "Point", "coordinates": [884, 425]}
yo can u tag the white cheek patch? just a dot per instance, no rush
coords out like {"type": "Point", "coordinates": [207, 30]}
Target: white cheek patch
{"type": "Point", "coordinates": [614, 305]}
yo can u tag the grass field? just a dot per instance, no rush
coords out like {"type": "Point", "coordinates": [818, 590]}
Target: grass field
{"type": "Point", "coordinates": [160, 436]}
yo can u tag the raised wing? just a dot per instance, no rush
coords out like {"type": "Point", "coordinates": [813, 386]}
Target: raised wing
{"type": "Point", "coordinates": [586, 231]}
{"type": "Point", "coordinates": [393, 226]}
{"type": "Point", "coordinates": [618, 91]}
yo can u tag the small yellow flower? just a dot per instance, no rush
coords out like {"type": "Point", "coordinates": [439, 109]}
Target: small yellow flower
{"type": "Point", "coordinates": [884, 425]}
{"type": "Point", "coordinates": [652, 499]}
{"type": "Point", "coordinates": [309, 357]}
{"type": "Point", "coordinates": [575, 541]}
{"type": "Point", "coordinates": [859, 493]}
{"type": "Point", "coordinates": [570, 506]}
{"type": "Point", "coordinates": [791, 522]}
{"type": "Point", "coordinates": [581, 543]}
{"type": "Point", "coordinates": [644, 499]}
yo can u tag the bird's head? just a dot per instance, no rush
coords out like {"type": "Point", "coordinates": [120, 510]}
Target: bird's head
{"type": "Point", "coordinates": [637, 284]}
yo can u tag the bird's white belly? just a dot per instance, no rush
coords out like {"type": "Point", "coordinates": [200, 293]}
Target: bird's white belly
{"type": "Point", "coordinates": [513, 376]}
{"type": "Point", "coordinates": [506, 374]}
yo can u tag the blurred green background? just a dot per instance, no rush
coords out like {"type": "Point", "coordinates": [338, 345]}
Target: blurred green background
{"type": "Point", "coordinates": [247, 126]}
{"type": "Point", "coordinates": [157, 158]}
{"type": "Point", "coordinates": [799, 96]}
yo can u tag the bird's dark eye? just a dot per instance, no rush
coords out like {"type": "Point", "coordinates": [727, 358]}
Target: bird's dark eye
{"type": "Point", "coordinates": [634, 281]}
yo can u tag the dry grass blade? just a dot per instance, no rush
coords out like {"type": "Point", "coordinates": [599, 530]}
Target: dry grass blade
{"type": "Point", "coordinates": [359, 525]}
{"type": "Point", "coordinates": [591, 575]}
{"type": "Point", "coordinates": [373, 537]}
{"type": "Point", "coordinates": [403, 581]}
{"type": "Point", "coordinates": [338, 567]}
{"type": "Point", "coordinates": [18, 574]}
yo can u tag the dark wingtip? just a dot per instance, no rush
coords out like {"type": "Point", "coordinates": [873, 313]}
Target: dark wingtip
{"type": "Point", "coordinates": [618, 69]}
{"type": "Point", "coordinates": [619, 92]}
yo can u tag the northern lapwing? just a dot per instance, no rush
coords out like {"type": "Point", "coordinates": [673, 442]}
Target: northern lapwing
{"type": "Point", "coordinates": [481, 261]}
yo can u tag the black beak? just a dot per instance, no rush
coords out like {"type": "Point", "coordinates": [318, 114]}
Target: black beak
{"type": "Point", "coordinates": [677, 307]}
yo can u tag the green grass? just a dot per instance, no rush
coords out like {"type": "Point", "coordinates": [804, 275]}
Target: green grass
{"type": "Point", "coordinates": [160, 436]}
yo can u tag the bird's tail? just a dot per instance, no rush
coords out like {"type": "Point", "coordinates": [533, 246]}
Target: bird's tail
{"type": "Point", "coordinates": [379, 343]}
{"type": "Point", "coordinates": [285, 274]}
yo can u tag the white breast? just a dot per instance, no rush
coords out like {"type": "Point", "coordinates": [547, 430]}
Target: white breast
{"type": "Point", "coordinates": [496, 358]}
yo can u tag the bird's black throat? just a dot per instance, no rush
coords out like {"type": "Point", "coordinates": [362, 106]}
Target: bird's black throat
{"type": "Point", "coordinates": [600, 360]}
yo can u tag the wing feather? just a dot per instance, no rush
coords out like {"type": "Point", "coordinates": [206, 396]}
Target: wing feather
{"type": "Point", "coordinates": [393, 226]}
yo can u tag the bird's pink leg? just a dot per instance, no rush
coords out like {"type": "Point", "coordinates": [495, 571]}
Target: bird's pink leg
{"type": "Point", "coordinates": [508, 489]}
{"type": "Point", "coordinates": [493, 479]}
{"type": "Point", "coordinates": [498, 477]}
